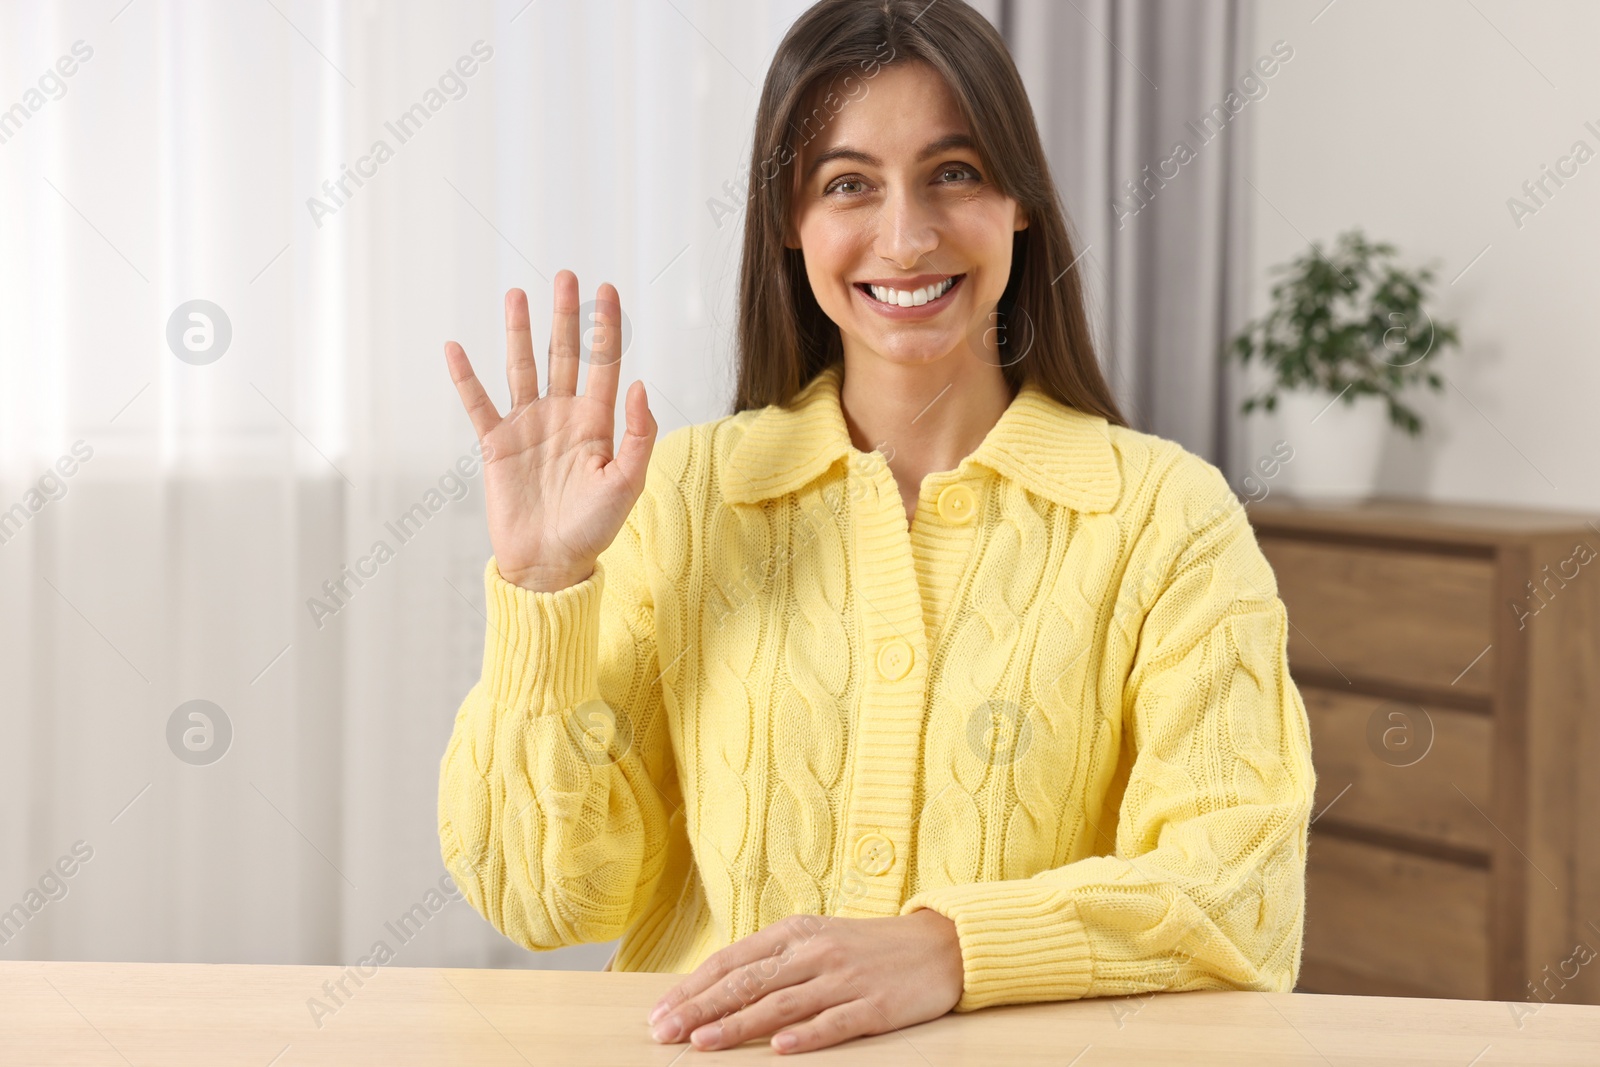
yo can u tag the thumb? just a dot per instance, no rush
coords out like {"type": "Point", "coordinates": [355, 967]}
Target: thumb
{"type": "Point", "coordinates": [638, 436]}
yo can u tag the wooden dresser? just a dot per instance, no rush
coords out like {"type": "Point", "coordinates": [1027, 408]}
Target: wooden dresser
{"type": "Point", "coordinates": [1449, 658]}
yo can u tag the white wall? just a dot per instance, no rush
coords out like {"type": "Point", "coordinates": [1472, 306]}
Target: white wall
{"type": "Point", "coordinates": [1418, 120]}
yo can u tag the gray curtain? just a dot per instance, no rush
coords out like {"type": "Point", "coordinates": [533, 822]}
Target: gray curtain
{"type": "Point", "coordinates": [1115, 86]}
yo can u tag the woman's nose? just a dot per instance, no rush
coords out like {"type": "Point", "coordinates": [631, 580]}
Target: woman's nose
{"type": "Point", "coordinates": [907, 231]}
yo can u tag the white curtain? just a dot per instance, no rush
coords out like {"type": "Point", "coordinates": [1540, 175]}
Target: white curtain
{"type": "Point", "coordinates": [175, 163]}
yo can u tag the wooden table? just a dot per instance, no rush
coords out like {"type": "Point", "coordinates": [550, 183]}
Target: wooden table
{"type": "Point", "coordinates": [181, 1014]}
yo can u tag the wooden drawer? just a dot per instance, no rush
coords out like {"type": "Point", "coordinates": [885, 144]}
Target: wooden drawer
{"type": "Point", "coordinates": [1390, 790]}
{"type": "Point", "coordinates": [1489, 618]}
{"type": "Point", "coordinates": [1386, 923]}
{"type": "Point", "coordinates": [1383, 614]}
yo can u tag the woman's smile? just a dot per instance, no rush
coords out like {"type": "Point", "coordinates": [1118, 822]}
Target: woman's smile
{"type": "Point", "coordinates": [908, 303]}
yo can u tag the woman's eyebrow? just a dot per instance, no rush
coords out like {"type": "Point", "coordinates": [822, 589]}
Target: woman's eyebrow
{"type": "Point", "coordinates": [933, 148]}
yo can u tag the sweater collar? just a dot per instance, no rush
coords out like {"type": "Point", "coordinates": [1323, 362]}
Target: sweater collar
{"type": "Point", "coordinates": [1054, 451]}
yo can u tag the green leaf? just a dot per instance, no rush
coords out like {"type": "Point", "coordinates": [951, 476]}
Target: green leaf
{"type": "Point", "coordinates": [1348, 316]}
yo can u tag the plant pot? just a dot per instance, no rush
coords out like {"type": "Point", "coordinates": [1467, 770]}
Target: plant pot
{"type": "Point", "coordinates": [1336, 445]}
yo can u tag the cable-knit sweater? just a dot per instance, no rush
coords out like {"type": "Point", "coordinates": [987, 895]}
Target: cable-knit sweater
{"type": "Point", "coordinates": [1055, 707]}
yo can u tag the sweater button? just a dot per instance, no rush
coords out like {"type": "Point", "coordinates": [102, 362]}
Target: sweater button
{"type": "Point", "coordinates": [957, 504]}
{"type": "Point", "coordinates": [874, 854]}
{"type": "Point", "coordinates": [894, 659]}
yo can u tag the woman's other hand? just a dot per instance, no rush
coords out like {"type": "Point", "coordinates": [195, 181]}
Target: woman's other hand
{"type": "Point", "coordinates": [817, 980]}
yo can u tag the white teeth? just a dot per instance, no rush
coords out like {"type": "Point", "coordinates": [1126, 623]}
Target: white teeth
{"type": "Point", "coordinates": [912, 297]}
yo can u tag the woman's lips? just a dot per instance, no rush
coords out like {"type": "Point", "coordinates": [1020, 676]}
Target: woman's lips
{"type": "Point", "coordinates": [902, 314]}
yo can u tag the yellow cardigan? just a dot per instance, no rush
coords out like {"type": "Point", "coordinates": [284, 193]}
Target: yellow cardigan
{"type": "Point", "coordinates": [1056, 709]}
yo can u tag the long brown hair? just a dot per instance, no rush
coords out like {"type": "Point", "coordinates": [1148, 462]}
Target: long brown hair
{"type": "Point", "coordinates": [784, 337]}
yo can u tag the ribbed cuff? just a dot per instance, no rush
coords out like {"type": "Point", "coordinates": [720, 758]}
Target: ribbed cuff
{"type": "Point", "coordinates": [1020, 942]}
{"type": "Point", "coordinates": [541, 650]}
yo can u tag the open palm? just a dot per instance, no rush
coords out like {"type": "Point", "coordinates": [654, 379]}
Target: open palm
{"type": "Point", "coordinates": [556, 494]}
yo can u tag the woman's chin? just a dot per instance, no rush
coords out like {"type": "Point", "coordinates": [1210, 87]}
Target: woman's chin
{"type": "Point", "coordinates": [912, 353]}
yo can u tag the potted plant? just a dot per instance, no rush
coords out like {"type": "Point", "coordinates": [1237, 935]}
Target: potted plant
{"type": "Point", "coordinates": [1345, 335]}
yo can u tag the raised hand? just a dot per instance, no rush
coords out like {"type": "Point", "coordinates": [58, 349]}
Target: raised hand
{"type": "Point", "coordinates": [556, 494]}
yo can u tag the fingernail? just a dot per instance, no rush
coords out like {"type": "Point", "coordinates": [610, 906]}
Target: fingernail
{"type": "Point", "coordinates": [785, 1042]}
{"type": "Point", "coordinates": [657, 1012]}
{"type": "Point", "coordinates": [666, 1030]}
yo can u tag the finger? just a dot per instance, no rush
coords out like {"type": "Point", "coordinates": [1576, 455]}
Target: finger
{"type": "Point", "coordinates": [779, 1008]}
{"type": "Point", "coordinates": [717, 966]}
{"type": "Point", "coordinates": [735, 977]}
{"type": "Point", "coordinates": [564, 336]}
{"type": "Point", "coordinates": [856, 1018]}
{"type": "Point", "coordinates": [480, 409]}
{"type": "Point", "coordinates": [522, 373]}
{"type": "Point", "coordinates": [638, 435]}
{"type": "Point", "coordinates": [605, 360]}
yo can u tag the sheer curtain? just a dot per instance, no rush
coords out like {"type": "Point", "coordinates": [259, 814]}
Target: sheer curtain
{"type": "Point", "coordinates": [222, 388]}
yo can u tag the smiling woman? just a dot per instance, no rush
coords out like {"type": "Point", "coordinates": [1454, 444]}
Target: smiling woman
{"type": "Point", "coordinates": [918, 682]}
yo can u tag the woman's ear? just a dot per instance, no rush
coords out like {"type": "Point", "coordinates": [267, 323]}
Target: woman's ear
{"type": "Point", "coordinates": [791, 239]}
{"type": "Point", "coordinates": [791, 231]}
{"type": "Point", "coordinates": [1022, 218]}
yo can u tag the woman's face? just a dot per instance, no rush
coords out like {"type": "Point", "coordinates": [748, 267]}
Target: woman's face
{"type": "Point", "coordinates": [891, 192]}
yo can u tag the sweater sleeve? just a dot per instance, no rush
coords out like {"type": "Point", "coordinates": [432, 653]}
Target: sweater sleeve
{"type": "Point", "coordinates": [557, 787]}
{"type": "Point", "coordinates": [1205, 887]}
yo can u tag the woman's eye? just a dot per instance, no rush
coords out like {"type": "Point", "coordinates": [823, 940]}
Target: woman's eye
{"type": "Point", "coordinates": [961, 171]}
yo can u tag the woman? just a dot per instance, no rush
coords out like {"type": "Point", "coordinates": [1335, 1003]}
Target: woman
{"type": "Point", "coordinates": [920, 682]}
